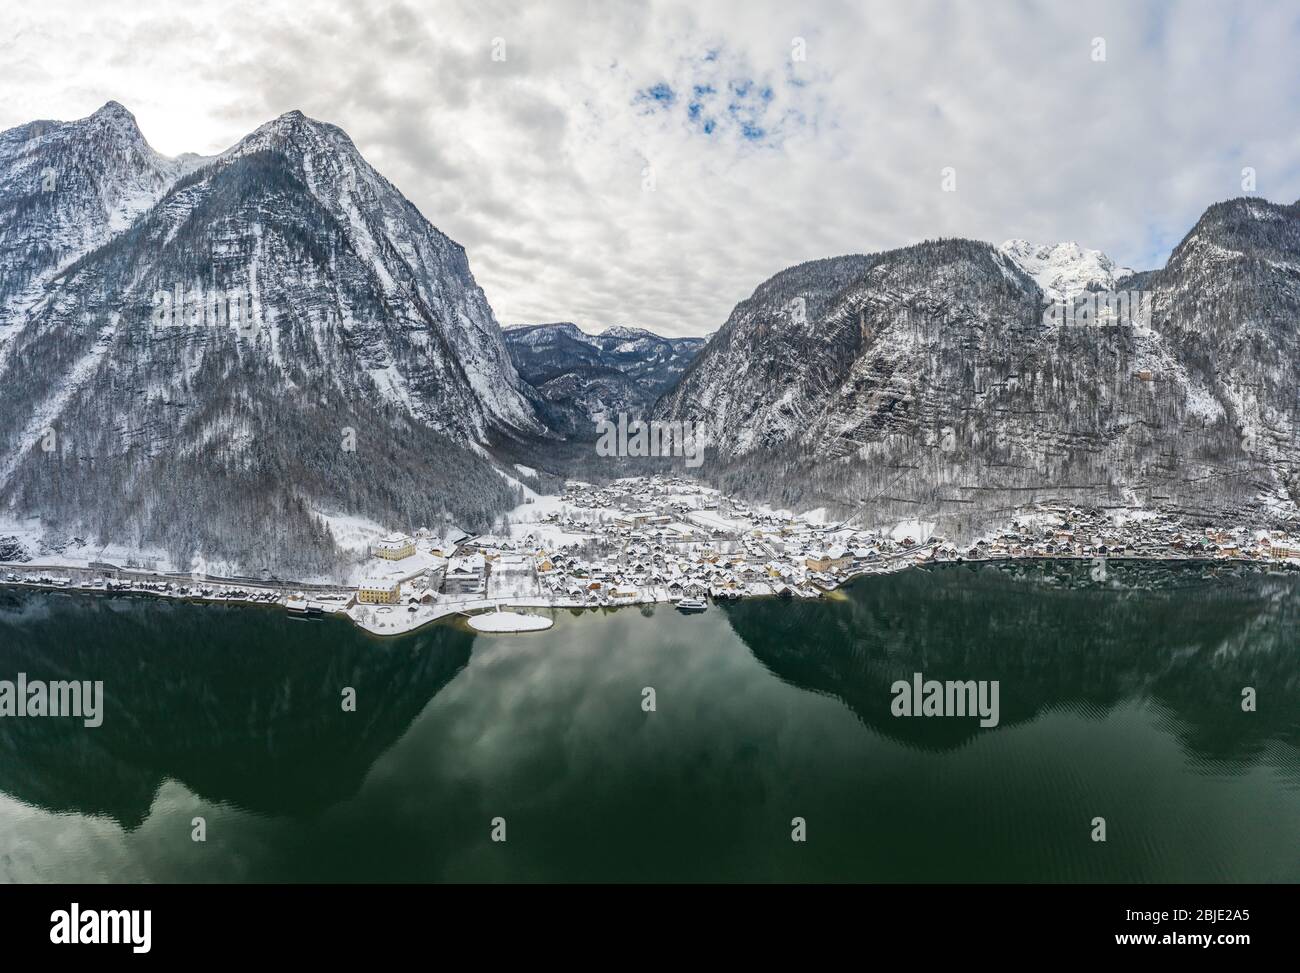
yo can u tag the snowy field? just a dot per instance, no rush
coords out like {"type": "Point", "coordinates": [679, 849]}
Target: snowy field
{"type": "Point", "coordinates": [527, 519]}
{"type": "Point", "coordinates": [513, 580]}
{"type": "Point", "coordinates": [66, 550]}
{"type": "Point", "coordinates": [353, 533]}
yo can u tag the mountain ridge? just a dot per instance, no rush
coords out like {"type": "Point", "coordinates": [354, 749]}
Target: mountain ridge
{"type": "Point", "coordinates": [932, 376]}
{"type": "Point", "coordinates": [370, 375]}
{"type": "Point", "coordinates": [586, 378]}
{"type": "Point", "coordinates": [372, 379]}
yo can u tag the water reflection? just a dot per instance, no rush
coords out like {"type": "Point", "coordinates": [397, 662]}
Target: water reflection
{"type": "Point", "coordinates": [1123, 697]}
{"type": "Point", "coordinates": [241, 705]}
{"type": "Point", "coordinates": [1188, 636]}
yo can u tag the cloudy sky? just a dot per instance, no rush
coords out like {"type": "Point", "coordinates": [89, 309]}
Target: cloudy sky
{"type": "Point", "coordinates": [651, 163]}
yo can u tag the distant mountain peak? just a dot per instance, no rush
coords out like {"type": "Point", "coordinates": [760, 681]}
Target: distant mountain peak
{"type": "Point", "coordinates": [113, 108]}
{"type": "Point", "coordinates": [1064, 269]}
{"type": "Point", "coordinates": [295, 119]}
{"type": "Point", "coordinates": [624, 332]}
{"type": "Point", "coordinates": [585, 377]}
{"type": "Point", "coordinates": [112, 115]}
{"type": "Point", "coordinates": [298, 136]}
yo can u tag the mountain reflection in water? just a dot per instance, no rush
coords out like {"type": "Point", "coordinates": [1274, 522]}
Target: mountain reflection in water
{"type": "Point", "coordinates": [1120, 699]}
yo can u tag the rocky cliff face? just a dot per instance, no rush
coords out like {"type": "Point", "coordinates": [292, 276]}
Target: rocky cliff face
{"type": "Point", "coordinates": [65, 189]}
{"type": "Point", "coordinates": [225, 344]}
{"type": "Point", "coordinates": [1229, 301]}
{"type": "Point", "coordinates": [930, 378]}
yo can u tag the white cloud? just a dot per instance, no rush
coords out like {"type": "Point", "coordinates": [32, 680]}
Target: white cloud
{"type": "Point", "coordinates": [536, 164]}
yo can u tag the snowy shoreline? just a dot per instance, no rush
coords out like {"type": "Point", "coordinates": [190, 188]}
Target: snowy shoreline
{"type": "Point", "coordinates": [661, 539]}
{"type": "Point", "coordinates": [407, 623]}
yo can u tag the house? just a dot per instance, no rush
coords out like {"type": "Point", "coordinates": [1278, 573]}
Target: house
{"type": "Point", "coordinates": [836, 559]}
{"type": "Point", "coordinates": [466, 575]}
{"type": "Point", "coordinates": [378, 591]}
{"type": "Point", "coordinates": [1283, 549]}
{"type": "Point", "coordinates": [864, 555]}
{"type": "Point", "coordinates": [632, 521]}
{"type": "Point", "coordinates": [455, 535]}
{"type": "Point", "coordinates": [395, 547]}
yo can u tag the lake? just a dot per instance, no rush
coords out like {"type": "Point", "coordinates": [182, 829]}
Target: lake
{"type": "Point", "coordinates": [1119, 700]}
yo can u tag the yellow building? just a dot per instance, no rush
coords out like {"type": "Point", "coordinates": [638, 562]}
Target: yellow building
{"type": "Point", "coordinates": [394, 547]}
{"type": "Point", "coordinates": [835, 559]}
{"type": "Point", "coordinates": [379, 591]}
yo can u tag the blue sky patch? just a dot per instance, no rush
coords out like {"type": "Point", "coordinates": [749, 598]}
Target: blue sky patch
{"type": "Point", "coordinates": [719, 96]}
{"type": "Point", "coordinates": [657, 96]}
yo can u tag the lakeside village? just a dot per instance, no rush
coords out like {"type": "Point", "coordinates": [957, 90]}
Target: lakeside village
{"type": "Point", "coordinates": [660, 539]}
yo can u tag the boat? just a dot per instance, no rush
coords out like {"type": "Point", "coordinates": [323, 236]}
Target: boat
{"type": "Point", "coordinates": [691, 605]}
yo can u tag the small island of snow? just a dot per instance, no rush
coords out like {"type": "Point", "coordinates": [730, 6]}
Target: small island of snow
{"type": "Point", "coordinates": [500, 621]}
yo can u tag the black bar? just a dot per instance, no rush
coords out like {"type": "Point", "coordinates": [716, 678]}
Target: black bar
{"type": "Point", "coordinates": [332, 923]}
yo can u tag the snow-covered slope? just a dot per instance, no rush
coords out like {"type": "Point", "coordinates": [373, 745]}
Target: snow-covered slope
{"type": "Point", "coordinates": [1065, 269]}
{"type": "Point", "coordinates": [65, 189]}
{"type": "Point", "coordinates": [440, 351]}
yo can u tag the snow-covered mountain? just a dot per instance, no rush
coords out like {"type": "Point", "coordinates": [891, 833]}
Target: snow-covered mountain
{"type": "Point", "coordinates": [585, 378]}
{"type": "Point", "coordinates": [426, 333]}
{"type": "Point", "coordinates": [1063, 270]}
{"type": "Point", "coordinates": [343, 360]}
{"type": "Point", "coordinates": [1229, 301]}
{"type": "Point", "coordinates": [930, 378]}
{"type": "Point", "coordinates": [366, 375]}
{"type": "Point", "coordinates": [65, 189]}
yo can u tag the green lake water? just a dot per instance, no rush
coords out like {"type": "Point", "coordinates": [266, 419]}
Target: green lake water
{"type": "Point", "coordinates": [1119, 700]}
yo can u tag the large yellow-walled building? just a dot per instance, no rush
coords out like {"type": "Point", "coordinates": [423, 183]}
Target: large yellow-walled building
{"type": "Point", "coordinates": [379, 591]}
{"type": "Point", "coordinates": [394, 547]}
